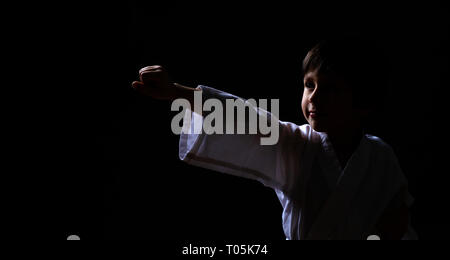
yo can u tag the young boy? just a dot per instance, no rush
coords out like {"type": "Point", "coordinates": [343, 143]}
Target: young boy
{"type": "Point", "coordinates": [333, 180]}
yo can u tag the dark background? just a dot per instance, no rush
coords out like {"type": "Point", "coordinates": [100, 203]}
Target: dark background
{"type": "Point", "coordinates": [122, 176]}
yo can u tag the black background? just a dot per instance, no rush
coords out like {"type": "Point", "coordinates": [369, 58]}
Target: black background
{"type": "Point", "coordinates": [122, 178]}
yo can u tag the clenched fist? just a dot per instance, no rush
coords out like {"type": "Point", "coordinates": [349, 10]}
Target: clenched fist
{"type": "Point", "coordinates": [154, 82]}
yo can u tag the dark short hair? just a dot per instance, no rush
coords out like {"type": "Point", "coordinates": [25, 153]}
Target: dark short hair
{"type": "Point", "coordinates": [360, 60]}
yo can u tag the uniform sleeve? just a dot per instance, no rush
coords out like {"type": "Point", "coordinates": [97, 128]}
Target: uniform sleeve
{"type": "Point", "coordinates": [243, 155]}
{"type": "Point", "coordinates": [396, 216]}
{"type": "Point", "coordinates": [404, 201]}
{"type": "Point", "coordinates": [404, 197]}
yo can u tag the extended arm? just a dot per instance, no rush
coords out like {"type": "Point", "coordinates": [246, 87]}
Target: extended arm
{"type": "Point", "coordinates": [154, 82]}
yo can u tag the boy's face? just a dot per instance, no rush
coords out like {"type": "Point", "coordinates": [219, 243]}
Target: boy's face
{"type": "Point", "coordinates": [327, 102]}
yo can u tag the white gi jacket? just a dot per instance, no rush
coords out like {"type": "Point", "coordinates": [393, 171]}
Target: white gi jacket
{"type": "Point", "coordinates": [320, 200]}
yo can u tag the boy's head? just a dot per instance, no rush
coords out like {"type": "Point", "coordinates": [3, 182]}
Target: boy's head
{"type": "Point", "coordinates": [344, 80]}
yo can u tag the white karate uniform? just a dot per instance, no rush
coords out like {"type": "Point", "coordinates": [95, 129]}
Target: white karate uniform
{"type": "Point", "coordinates": [320, 200]}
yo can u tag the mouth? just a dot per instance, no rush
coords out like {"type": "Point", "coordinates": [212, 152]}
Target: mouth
{"type": "Point", "coordinates": [316, 114]}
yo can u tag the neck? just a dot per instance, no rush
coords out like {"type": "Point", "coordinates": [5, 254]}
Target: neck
{"type": "Point", "coordinates": [345, 143]}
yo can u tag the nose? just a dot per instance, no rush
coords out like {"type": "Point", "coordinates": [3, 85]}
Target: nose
{"type": "Point", "coordinates": [313, 98]}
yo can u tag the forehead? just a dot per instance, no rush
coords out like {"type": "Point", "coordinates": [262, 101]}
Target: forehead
{"type": "Point", "coordinates": [316, 74]}
{"type": "Point", "coordinates": [328, 79]}
{"type": "Point", "coordinates": [324, 76]}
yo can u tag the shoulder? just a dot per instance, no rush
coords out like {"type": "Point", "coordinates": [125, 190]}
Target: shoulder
{"type": "Point", "coordinates": [384, 159]}
{"type": "Point", "coordinates": [379, 146]}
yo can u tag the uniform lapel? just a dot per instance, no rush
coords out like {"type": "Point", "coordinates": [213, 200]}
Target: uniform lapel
{"type": "Point", "coordinates": [338, 205]}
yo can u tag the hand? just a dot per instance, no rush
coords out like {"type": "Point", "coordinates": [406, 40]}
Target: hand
{"type": "Point", "coordinates": [155, 83]}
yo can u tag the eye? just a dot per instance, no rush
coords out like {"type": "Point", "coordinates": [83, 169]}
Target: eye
{"type": "Point", "coordinates": [309, 84]}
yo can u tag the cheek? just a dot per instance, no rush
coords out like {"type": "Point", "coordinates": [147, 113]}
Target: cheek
{"type": "Point", "coordinates": [304, 104]}
{"type": "Point", "coordinates": [347, 102]}
{"type": "Point", "coordinates": [342, 105]}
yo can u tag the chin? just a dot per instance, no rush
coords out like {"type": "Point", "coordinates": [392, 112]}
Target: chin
{"type": "Point", "coordinates": [318, 127]}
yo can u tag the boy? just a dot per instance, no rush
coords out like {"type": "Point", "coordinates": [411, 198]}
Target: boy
{"type": "Point", "coordinates": [333, 180]}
